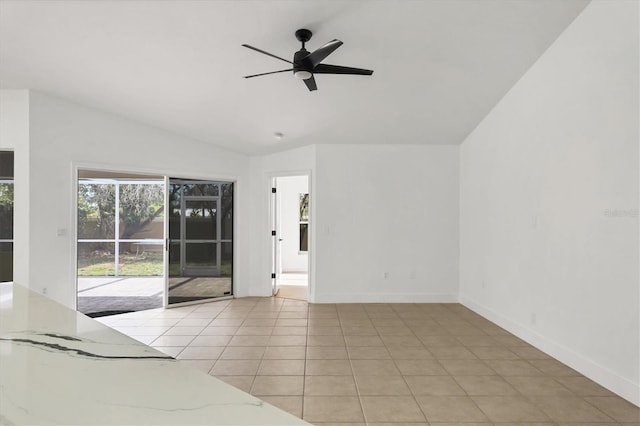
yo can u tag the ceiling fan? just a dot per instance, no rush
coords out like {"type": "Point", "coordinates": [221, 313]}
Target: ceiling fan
{"type": "Point", "coordinates": [306, 64]}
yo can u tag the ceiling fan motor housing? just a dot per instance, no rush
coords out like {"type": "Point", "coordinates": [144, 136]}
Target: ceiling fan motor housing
{"type": "Point", "coordinates": [299, 62]}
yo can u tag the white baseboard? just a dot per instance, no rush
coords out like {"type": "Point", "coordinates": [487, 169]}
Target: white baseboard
{"type": "Point", "coordinates": [386, 298]}
{"type": "Point", "coordinates": [599, 374]}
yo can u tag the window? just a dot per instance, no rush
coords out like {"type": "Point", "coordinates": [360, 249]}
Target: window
{"type": "Point", "coordinates": [304, 222]}
{"type": "Point", "coordinates": [6, 216]}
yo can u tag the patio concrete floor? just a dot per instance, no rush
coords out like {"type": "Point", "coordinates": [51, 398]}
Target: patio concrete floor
{"type": "Point", "coordinates": [99, 296]}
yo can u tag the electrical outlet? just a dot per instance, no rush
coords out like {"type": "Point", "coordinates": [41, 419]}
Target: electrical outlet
{"type": "Point", "coordinates": [534, 319]}
{"type": "Point", "coordinates": [386, 275]}
{"type": "Point", "coordinates": [44, 290]}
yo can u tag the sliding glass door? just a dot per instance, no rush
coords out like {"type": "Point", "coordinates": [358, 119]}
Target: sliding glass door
{"type": "Point", "coordinates": [200, 240]}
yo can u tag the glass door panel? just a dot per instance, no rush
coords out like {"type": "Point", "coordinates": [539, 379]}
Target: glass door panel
{"type": "Point", "coordinates": [201, 219]}
{"type": "Point", "coordinates": [201, 189]}
{"type": "Point", "coordinates": [201, 258]}
{"type": "Point", "coordinates": [200, 242]}
{"type": "Point", "coordinates": [174, 259]}
{"type": "Point", "coordinates": [226, 259]}
{"type": "Point", "coordinates": [226, 211]}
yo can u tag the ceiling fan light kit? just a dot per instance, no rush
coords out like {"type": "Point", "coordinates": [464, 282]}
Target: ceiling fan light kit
{"type": "Point", "coordinates": [302, 74]}
{"type": "Point", "coordinates": [306, 64]}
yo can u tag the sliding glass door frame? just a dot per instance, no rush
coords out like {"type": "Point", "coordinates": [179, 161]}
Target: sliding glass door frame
{"type": "Point", "coordinates": [165, 251]}
{"type": "Point", "coordinates": [101, 167]}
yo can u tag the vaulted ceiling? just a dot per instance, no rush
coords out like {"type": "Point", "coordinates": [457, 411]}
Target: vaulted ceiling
{"type": "Point", "coordinates": [440, 65]}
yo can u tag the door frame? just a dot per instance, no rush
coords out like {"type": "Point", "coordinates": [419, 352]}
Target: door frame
{"type": "Point", "coordinates": [73, 241]}
{"type": "Point", "coordinates": [270, 252]}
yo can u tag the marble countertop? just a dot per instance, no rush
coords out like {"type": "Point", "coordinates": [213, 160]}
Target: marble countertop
{"type": "Point", "coordinates": [58, 366]}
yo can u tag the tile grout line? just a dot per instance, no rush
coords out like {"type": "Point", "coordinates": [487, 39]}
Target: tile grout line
{"type": "Point", "coordinates": [403, 376]}
{"type": "Point", "coordinates": [461, 387]}
{"type": "Point", "coordinates": [353, 374]}
{"type": "Point", "coordinates": [304, 377]}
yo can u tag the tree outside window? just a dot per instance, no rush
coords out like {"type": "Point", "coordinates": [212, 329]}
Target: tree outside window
{"type": "Point", "coordinates": [304, 222]}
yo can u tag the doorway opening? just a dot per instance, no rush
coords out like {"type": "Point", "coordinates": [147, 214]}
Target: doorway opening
{"type": "Point", "coordinates": [120, 246]}
{"type": "Point", "coordinates": [290, 212]}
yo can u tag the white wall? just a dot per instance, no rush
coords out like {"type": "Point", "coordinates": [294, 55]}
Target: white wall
{"type": "Point", "coordinates": [289, 190]}
{"type": "Point", "coordinates": [374, 209]}
{"type": "Point", "coordinates": [14, 136]}
{"type": "Point", "coordinates": [64, 135]}
{"type": "Point", "coordinates": [386, 209]}
{"type": "Point", "coordinates": [539, 253]}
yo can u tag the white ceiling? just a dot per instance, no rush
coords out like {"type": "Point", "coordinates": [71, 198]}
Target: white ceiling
{"type": "Point", "coordinates": [440, 66]}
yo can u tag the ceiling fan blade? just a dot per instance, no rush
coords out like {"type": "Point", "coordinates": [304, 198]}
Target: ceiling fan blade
{"type": "Point", "coordinates": [267, 73]}
{"type": "Point", "coordinates": [337, 69]}
{"type": "Point", "coordinates": [311, 84]}
{"type": "Point", "coordinates": [266, 53]}
{"type": "Point", "coordinates": [318, 55]}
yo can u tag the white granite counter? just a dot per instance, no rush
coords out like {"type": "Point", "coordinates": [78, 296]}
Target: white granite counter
{"type": "Point", "coordinates": [58, 366]}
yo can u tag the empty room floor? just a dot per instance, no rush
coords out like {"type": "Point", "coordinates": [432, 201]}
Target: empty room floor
{"type": "Point", "coordinates": [376, 363]}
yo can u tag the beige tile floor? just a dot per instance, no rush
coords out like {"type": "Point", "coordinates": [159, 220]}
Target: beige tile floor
{"type": "Point", "coordinates": [377, 364]}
